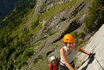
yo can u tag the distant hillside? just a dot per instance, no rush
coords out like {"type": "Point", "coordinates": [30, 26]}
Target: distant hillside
{"type": "Point", "coordinates": [6, 6]}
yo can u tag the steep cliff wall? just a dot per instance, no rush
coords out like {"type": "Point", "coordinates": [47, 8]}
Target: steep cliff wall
{"type": "Point", "coordinates": [95, 45]}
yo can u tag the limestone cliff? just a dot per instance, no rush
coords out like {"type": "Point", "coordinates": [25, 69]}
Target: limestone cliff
{"type": "Point", "coordinates": [95, 45]}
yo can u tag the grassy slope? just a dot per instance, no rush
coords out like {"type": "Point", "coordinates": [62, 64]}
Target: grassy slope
{"type": "Point", "coordinates": [56, 9]}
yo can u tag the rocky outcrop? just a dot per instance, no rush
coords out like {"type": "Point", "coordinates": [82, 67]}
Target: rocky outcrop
{"type": "Point", "coordinates": [54, 25]}
{"type": "Point", "coordinates": [95, 45]}
{"type": "Point", "coordinates": [48, 41]}
{"type": "Point", "coordinates": [44, 5]}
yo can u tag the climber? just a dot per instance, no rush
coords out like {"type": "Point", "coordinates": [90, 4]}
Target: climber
{"type": "Point", "coordinates": [53, 63]}
{"type": "Point", "coordinates": [67, 53]}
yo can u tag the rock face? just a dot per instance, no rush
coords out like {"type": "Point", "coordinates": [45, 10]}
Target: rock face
{"type": "Point", "coordinates": [43, 5]}
{"type": "Point", "coordinates": [53, 29]}
{"type": "Point", "coordinates": [95, 45]}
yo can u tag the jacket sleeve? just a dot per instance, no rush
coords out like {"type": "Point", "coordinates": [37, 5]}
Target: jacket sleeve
{"type": "Point", "coordinates": [50, 66]}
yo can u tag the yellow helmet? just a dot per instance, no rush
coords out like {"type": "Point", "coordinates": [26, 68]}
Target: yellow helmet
{"type": "Point", "coordinates": [68, 38]}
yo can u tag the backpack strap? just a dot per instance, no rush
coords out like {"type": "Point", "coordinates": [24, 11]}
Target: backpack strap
{"type": "Point", "coordinates": [52, 67]}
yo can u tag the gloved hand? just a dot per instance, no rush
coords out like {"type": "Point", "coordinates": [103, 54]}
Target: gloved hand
{"type": "Point", "coordinates": [91, 54]}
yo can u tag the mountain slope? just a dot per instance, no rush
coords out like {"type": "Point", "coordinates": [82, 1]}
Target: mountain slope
{"type": "Point", "coordinates": [7, 6]}
{"type": "Point", "coordinates": [33, 31]}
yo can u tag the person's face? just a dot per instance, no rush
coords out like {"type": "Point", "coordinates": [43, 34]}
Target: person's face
{"type": "Point", "coordinates": [70, 45]}
{"type": "Point", "coordinates": [54, 61]}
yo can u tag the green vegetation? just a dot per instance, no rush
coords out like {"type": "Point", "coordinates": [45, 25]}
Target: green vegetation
{"type": "Point", "coordinates": [37, 59]}
{"type": "Point", "coordinates": [41, 65]}
{"type": "Point", "coordinates": [79, 38]}
{"type": "Point", "coordinates": [15, 48]}
{"type": "Point", "coordinates": [93, 21]}
{"type": "Point", "coordinates": [74, 34]}
{"type": "Point", "coordinates": [77, 16]}
{"type": "Point", "coordinates": [56, 9]}
{"type": "Point", "coordinates": [95, 16]}
{"type": "Point", "coordinates": [49, 32]}
{"type": "Point", "coordinates": [21, 60]}
{"type": "Point", "coordinates": [75, 60]}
